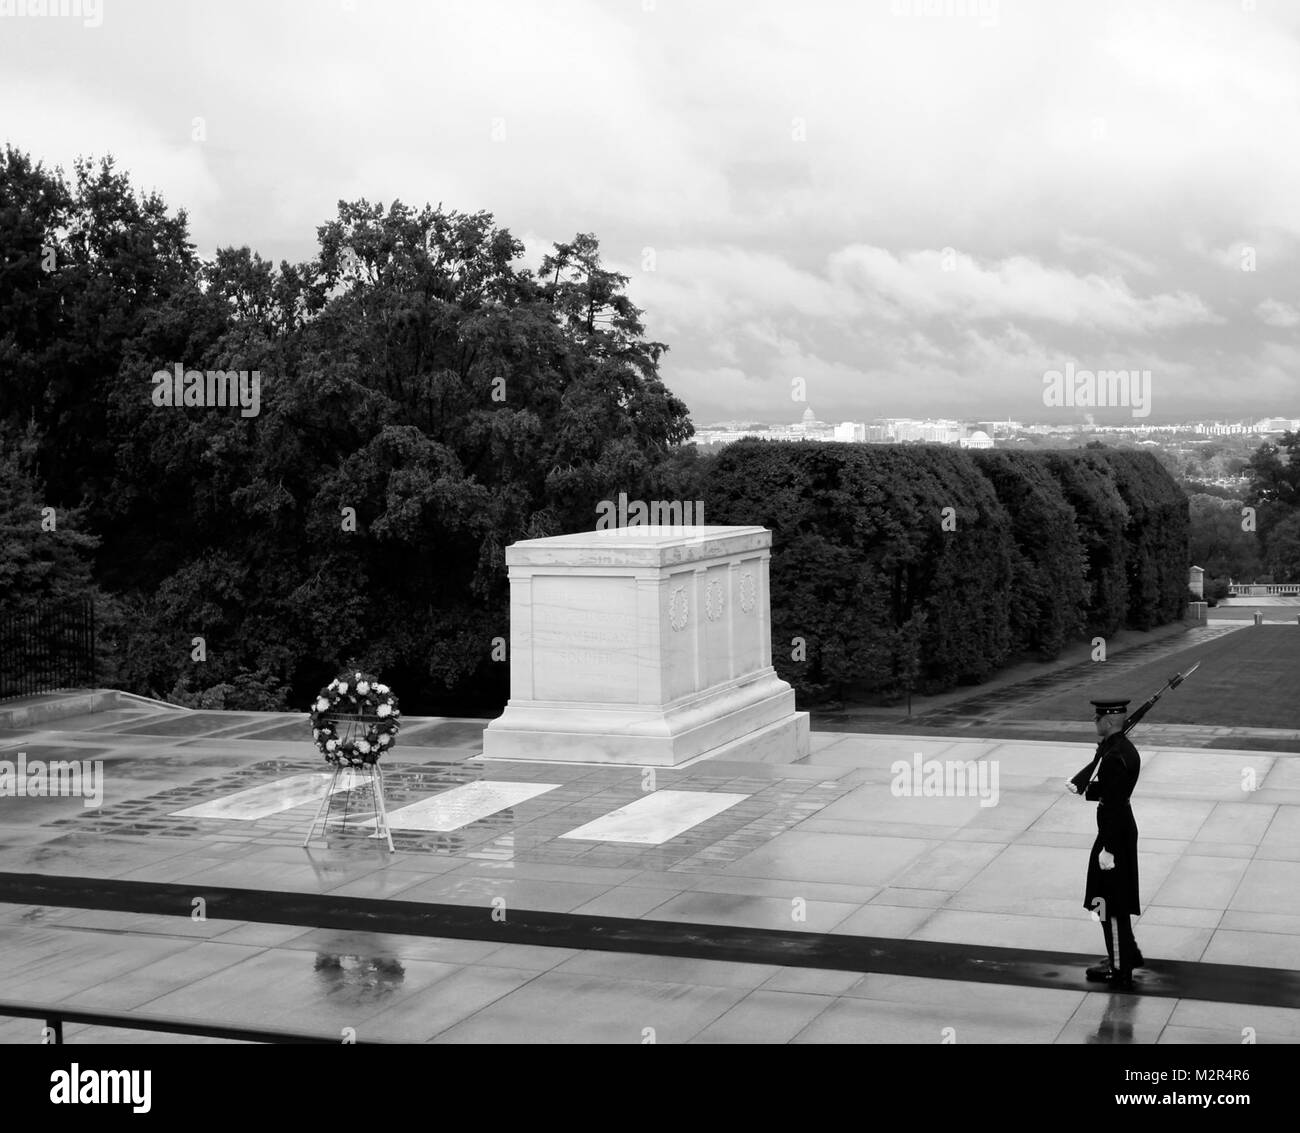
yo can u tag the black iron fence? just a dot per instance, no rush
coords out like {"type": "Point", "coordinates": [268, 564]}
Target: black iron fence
{"type": "Point", "coordinates": [47, 648]}
{"type": "Point", "coordinates": [55, 1016]}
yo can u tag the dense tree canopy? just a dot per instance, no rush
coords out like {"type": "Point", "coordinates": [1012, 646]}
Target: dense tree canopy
{"type": "Point", "coordinates": [1049, 571]}
{"type": "Point", "coordinates": [1218, 542]}
{"type": "Point", "coordinates": [1274, 471]}
{"type": "Point", "coordinates": [424, 402]}
{"type": "Point", "coordinates": [45, 556]}
{"type": "Point", "coordinates": [898, 567]}
{"type": "Point", "coordinates": [1155, 538]}
{"type": "Point", "coordinates": [1088, 484]}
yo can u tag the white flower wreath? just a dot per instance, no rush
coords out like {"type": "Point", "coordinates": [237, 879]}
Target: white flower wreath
{"type": "Point", "coordinates": [364, 700]}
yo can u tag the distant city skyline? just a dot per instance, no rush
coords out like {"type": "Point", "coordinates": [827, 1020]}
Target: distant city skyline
{"type": "Point", "coordinates": [1281, 422]}
{"type": "Point", "coordinates": [979, 433]}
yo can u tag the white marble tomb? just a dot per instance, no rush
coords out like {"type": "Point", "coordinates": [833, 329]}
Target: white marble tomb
{"type": "Point", "coordinates": [645, 645]}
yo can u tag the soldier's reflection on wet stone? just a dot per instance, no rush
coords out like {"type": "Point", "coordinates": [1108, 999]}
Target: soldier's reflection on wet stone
{"type": "Point", "coordinates": [366, 974]}
{"type": "Point", "coordinates": [1116, 1024]}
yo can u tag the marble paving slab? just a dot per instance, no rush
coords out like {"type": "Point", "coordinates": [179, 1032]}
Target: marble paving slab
{"type": "Point", "coordinates": [264, 800]}
{"type": "Point", "coordinates": [656, 818]}
{"type": "Point", "coordinates": [450, 810]}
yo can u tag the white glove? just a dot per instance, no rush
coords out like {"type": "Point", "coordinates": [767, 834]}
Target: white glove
{"type": "Point", "coordinates": [1069, 786]}
{"type": "Point", "coordinates": [1106, 860]}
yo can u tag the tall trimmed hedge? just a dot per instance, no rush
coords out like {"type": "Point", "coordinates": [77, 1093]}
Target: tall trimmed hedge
{"type": "Point", "coordinates": [1155, 538]}
{"type": "Point", "coordinates": [1088, 482]}
{"type": "Point", "coordinates": [928, 566]}
{"type": "Point", "coordinates": [867, 587]}
{"type": "Point", "coordinates": [826, 611]}
{"type": "Point", "coordinates": [965, 576]}
{"type": "Point", "coordinates": [1050, 582]}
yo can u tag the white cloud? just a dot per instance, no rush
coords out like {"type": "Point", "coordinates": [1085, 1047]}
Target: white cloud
{"type": "Point", "coordinates": [1111, 259]}
{"type": "Point", "coordinates": [1017, 287]}
{"type": "Point", "coordinates": [1099, 167]}
{"type": "Point", "coordinates": [1278, 314]}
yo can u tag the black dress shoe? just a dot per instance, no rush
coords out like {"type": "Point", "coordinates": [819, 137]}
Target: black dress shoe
{"type": "Point", "coordinates": [1100, 972]}
{"type": "Point", "coordinates": [1121, 980]}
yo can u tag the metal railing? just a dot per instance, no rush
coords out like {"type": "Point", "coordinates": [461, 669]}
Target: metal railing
{"type": "Point", "coordinates": [47, 649]}
{"type": "Point", "coordinates": [55, 1017]}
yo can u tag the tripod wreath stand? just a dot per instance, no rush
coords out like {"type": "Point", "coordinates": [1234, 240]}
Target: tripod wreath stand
{"type": "Point", "coordinates": [349, 775]}
{"type": "Point", "coordinates": [353, 723]}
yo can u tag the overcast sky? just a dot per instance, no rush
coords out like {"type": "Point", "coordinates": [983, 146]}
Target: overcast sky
{"type": "Point", "coordinates": [916, 206]}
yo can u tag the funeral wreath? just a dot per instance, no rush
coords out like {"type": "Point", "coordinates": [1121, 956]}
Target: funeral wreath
{"type": "Point", "coordinates": [368, 708]}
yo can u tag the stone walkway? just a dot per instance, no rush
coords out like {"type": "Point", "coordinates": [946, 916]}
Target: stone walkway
{"type": "Point", "coordinates": [827, 848]}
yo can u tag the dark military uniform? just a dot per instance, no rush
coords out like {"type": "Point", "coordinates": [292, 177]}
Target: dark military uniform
{"type": "Point", "coordinates": [1113, 773]}
{"type": "Point", "coordinates": [1117, 831]}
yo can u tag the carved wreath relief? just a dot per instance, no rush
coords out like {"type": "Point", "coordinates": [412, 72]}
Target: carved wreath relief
{"type": "Point", "coordinates": [748, 591]}
{"type": "Point", "coordinates": [715, 599]}
{"type": "Point", "coordinates": [678, 608]}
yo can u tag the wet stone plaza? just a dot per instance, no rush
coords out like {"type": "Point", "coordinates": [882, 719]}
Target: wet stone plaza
{"type": "Point", "coordinates": [720, 901]}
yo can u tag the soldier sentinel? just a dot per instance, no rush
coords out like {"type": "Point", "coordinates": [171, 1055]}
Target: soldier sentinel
{"type": "Point", "coordinates": [1112, 883]}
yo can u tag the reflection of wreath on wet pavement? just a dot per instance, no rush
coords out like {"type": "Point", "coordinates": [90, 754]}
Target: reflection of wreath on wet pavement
{"type": "Point", "coordinates": [366, 711]}
{"type": "Point", "coordinates": [364, 973]}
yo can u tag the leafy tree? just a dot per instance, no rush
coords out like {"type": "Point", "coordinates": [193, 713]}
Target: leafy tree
{"type": "Point", "coordinates": [1198, 488]}
{"type": "Point", "coordinates": [45, 561]}
{"type": "Point", "coordinates": [1216, 590]}
{"type": "Point", "coordinates": [1282, 559]}
{"type": "Point", "coordinates": [425, 401]}
{"type": "Point", "coordinates": [1216, 541]}
{"type": "Point", "coordinates": [1274, 471]}
{"type": "Point", "coordinates": [45, 556]}
{"type": "Point", "coordinates": [85, 265]}
{"type": "Point", "coordinates": [469, 405]}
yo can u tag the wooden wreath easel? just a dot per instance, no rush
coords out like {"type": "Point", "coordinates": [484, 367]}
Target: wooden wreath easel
{"type": "Point", "coordinates": [348, 725]}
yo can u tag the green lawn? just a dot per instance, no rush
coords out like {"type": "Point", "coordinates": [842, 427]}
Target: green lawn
{"type": "Point", "coordinates": [1281, 614]}
{"type": "Point", "coordinates": [1247, 679]}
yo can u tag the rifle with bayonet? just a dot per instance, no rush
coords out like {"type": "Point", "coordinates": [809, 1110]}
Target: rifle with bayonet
{"type": "Point", "coordinates": [1131, 722]}
{"type": "Point", "coordinates": [1088, 774]}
